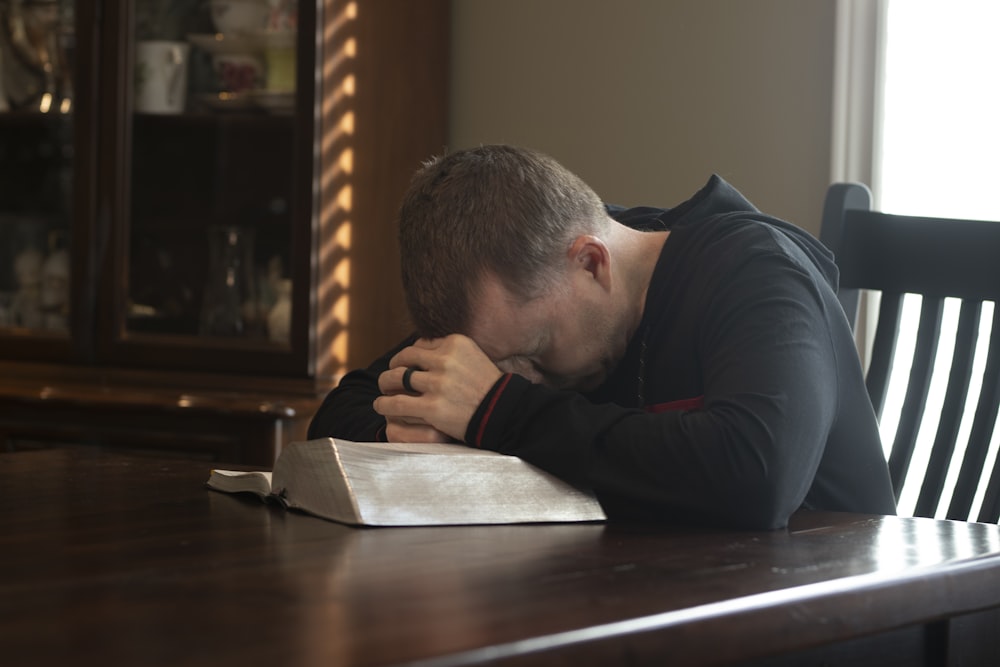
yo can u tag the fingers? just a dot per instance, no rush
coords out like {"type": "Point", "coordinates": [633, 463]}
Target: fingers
{"type": "Point", "coordinates": [419, 355]}
{"type": "Point", "coordinates": [408, 368]}
{"type": "Point", "coordinates": [402, 379]}
{"type": "Point", "coordinates": [437, 382]}
{"type": "Point", "coordinates": [427, 353]}
{"type": "Point", "coordinates": [400, 407]}
{"type": "Point", "coordinates": [408, 380]}
{"type": "Point", "coordinates": [396, 431]}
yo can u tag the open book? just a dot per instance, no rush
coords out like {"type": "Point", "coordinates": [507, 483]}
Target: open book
{"type": "Point", "coordinates": [390, 484]}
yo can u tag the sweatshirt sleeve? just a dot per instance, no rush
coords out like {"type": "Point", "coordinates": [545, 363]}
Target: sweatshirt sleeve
{"type": "Point", "coordinates": [347, 410]}
{"type": "Point", "coordinates": [746, 457]}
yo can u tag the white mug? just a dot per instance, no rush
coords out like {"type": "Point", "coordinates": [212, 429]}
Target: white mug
{"type": "Point", "coordinates": [161, 76]}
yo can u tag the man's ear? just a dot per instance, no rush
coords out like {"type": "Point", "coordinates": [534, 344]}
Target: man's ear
{"type": "Point", "coordinates": [589, 253]}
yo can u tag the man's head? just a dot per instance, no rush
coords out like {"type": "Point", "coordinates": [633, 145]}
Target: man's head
{"type": "Point", "coordinates": [496, 212]}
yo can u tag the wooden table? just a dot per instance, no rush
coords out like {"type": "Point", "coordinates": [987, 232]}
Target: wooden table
{"type": "Point", "coordinates": [115, 561]}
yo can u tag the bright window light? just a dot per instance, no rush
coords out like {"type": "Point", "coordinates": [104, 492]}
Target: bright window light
{"type": "Point", "coordinates": [940, 135]}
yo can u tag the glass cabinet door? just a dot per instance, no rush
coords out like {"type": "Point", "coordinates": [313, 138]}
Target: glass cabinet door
{"type": "Point", "coordinates": [37, 42]}
{"type": "Point", "coordinates": [206, 227]}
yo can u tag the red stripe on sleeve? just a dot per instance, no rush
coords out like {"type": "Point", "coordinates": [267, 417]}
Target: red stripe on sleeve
{"type": "Point", "coordinates": [696, 403]}
{"type": "Point", "coordinates": [489, 410]}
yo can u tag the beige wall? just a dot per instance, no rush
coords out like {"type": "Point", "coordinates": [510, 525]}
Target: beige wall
{"type": "Point", "coordinates": [646, 98]}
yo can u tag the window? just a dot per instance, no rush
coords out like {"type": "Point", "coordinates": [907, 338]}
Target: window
{"type": "Point", "coordinates": [939, 140]}
{"type": "Point", "coordinates": [937, 148]}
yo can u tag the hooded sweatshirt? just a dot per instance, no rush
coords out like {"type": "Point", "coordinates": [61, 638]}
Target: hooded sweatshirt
{"type": "Point", "coordinates": [740, 397]}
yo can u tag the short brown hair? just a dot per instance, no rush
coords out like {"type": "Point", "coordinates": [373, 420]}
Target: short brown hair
{"type": "Point", "coordinates": [501, 210]}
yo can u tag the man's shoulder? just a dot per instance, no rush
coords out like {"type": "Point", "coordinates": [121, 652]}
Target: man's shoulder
{"type": "Point", "coordinates": [718, 250]}
{"type": "Point", "coordinates": [743, 231]}
{"type": "Point", "coordinates": [713, 199]}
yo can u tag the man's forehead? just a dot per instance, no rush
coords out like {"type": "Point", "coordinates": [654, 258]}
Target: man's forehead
{"type": "Point", "coordinates": [500, 324]}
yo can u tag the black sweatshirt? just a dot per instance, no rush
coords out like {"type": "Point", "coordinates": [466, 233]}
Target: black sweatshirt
{"type": "Point", "coordinates": [740, 397]}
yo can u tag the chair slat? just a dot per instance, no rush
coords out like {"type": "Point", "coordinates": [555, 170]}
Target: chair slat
{"type": "Point", "coordinates": [952, 410]}
{"type": "Point", "coordinates": [883, 349]}
{"type": "Point", "coordinates": [981, 432]}
{"type": "Point", "coordinates": [990, 511]}
{"type": "Point", "coordinates": [917, 388]}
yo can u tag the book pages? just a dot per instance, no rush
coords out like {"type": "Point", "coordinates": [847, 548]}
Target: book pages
{"type": "Point", "coordinates": [396, 484]}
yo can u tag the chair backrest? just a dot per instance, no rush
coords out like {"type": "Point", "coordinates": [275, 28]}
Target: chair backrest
{"type": "Point", "coordinates": [935, 258]}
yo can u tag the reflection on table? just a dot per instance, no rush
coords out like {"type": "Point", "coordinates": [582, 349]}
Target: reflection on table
{"type": "Point", "coordinates": [114, 560]}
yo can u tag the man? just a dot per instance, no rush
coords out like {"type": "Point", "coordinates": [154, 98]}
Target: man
{"type": "Point", "coordinates": [687, 365]}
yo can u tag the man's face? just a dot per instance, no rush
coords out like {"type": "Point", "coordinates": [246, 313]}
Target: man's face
{"type": "Point", "coordinates": [566, 339]}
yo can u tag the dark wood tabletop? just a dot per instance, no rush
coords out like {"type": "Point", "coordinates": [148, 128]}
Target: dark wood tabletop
{"type": "Point", "coordinates": [106, 560]}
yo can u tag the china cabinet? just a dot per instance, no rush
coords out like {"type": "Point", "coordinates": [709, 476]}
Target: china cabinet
{"type": "Point", "coordinates": [196, 212]}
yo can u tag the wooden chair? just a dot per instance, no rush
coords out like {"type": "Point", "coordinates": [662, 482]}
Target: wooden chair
{"type": "Point", "coordinates": [935, 258]}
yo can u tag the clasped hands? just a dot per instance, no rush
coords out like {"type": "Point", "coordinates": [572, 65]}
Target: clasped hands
{"type": "Point", "coordinates": [452, 376]}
